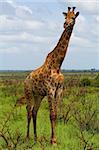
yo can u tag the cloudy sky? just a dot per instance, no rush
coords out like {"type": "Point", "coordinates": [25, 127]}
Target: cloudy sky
{"type": "Point", "coordinates": [30, 29]}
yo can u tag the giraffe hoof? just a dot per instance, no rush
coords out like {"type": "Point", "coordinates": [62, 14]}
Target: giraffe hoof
{"type": "Point", "coordinates": [27, 138]}
{"type": "Point", "coordinates": [35, 140]}
{"type": "Point", "coordinates": [53, 141]}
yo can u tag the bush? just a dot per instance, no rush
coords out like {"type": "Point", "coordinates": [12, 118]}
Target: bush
{"type": "Point", "coordinates": [97, 80]}
{"type": "Point", "coordinates": [97, 77]}
{"type": "Point", "coordinates": [85, 82]}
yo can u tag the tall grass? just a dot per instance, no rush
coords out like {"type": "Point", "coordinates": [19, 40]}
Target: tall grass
{"type": "Point", "coordinates": [77, 123]}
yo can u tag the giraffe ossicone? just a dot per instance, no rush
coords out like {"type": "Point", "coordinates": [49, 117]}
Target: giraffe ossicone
{"type": "Point", "coordinates": [48, 79]}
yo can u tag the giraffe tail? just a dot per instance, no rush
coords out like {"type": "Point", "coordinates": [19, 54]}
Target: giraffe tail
{"type": "Point", "coordinates": [21, 101]}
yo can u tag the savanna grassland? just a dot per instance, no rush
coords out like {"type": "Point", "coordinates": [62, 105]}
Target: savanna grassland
{"type": "Point", "coordinates": [77, 126]}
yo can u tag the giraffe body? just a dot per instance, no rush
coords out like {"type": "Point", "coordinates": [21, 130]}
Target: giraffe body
{"type": "Point", "coordinates": [41, 80]}
{"type": "Point", "coordinates": [41, 83]}
{"type": "Point", "coordinates": [48, 80]}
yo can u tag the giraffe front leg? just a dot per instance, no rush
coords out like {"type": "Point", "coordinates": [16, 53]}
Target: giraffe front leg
{"type": "Point", "coordinates": [53, 104]}
{"type": "Point", "coordinates": [53, 117]}
{"type": "Point", "coordinates": [29, 114]}
{"type": "Point", "coordinates": [37, 101]}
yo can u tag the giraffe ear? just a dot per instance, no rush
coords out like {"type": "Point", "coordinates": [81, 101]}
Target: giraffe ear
{"type": "Point", "coordinates": [65, 14]}
{"type": "Point", "coordinates": [76, 14]}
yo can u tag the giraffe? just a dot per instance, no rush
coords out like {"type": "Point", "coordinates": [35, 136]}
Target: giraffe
{"type": "Point", "coordinates": [48, 80]}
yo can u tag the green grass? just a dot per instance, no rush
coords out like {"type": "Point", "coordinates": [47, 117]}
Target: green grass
{"type": "Point", "coordinates": [70, 134]}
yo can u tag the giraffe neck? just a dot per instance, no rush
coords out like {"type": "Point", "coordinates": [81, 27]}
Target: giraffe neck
{"type": "Point", "coordinates": [55, 58]}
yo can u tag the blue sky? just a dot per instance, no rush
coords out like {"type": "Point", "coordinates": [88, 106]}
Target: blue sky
{"type": "Point", "coordinates": [30, 29]}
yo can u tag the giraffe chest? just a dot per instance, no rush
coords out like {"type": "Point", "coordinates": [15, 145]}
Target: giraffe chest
{"type": "Point", "coordinates": [54, 80]}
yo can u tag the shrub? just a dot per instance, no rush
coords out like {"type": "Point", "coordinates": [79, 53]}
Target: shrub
{"type": "Point", "coordinates": [85, 82]}
{"type": "Point", "coordinates": [97, 80]}
{"type": "Point", "coordinates": [97, 77]}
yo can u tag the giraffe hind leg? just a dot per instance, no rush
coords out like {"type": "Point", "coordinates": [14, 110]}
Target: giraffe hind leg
{"type": "Point", "coordinates": [37, 103]}
{"type": "Point", "coordinates": [29, 114]}
{"type": "Point", "coordinates": [34, 116]}
{"type": "Point", "coordinates": [30, 104]}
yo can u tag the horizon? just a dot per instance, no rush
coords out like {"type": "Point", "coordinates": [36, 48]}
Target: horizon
{"type": "Point", "coordinates": [30, 30]}
{"type": "Point", "coordinates": [92, 69]}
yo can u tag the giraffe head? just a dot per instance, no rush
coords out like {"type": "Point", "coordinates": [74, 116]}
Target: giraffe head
{"type": "Point", "coordinates": [70, 17]}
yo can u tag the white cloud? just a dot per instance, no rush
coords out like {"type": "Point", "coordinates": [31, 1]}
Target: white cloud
{"type": "Point", "coordinates": [23, 12]}
{"type": "Point", "coordinates": [84, 43]}
{"type": "Point", "coordinates": [85, 6]}
{"type": "Point", "coordinates": [97, 18]}
{"type": "Point", "coordinates": [24, 37]}
{"type": "Point", "coordinates": [24, 8]}
{"type": "Point", "coordinates": [16, 24]}
{"type": "Point", "coordinates": [21, 33]}
{"type": "Point", "coordinates": [9, 7]}
{"type": "Point", "coordinates": [81, 24]}
{"type": "Point", "coordinates": [90, 6]}
{"type": "Point", "coordinates": [11, 50]}
{"type": "Point", "coordinates": [87, 28]}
